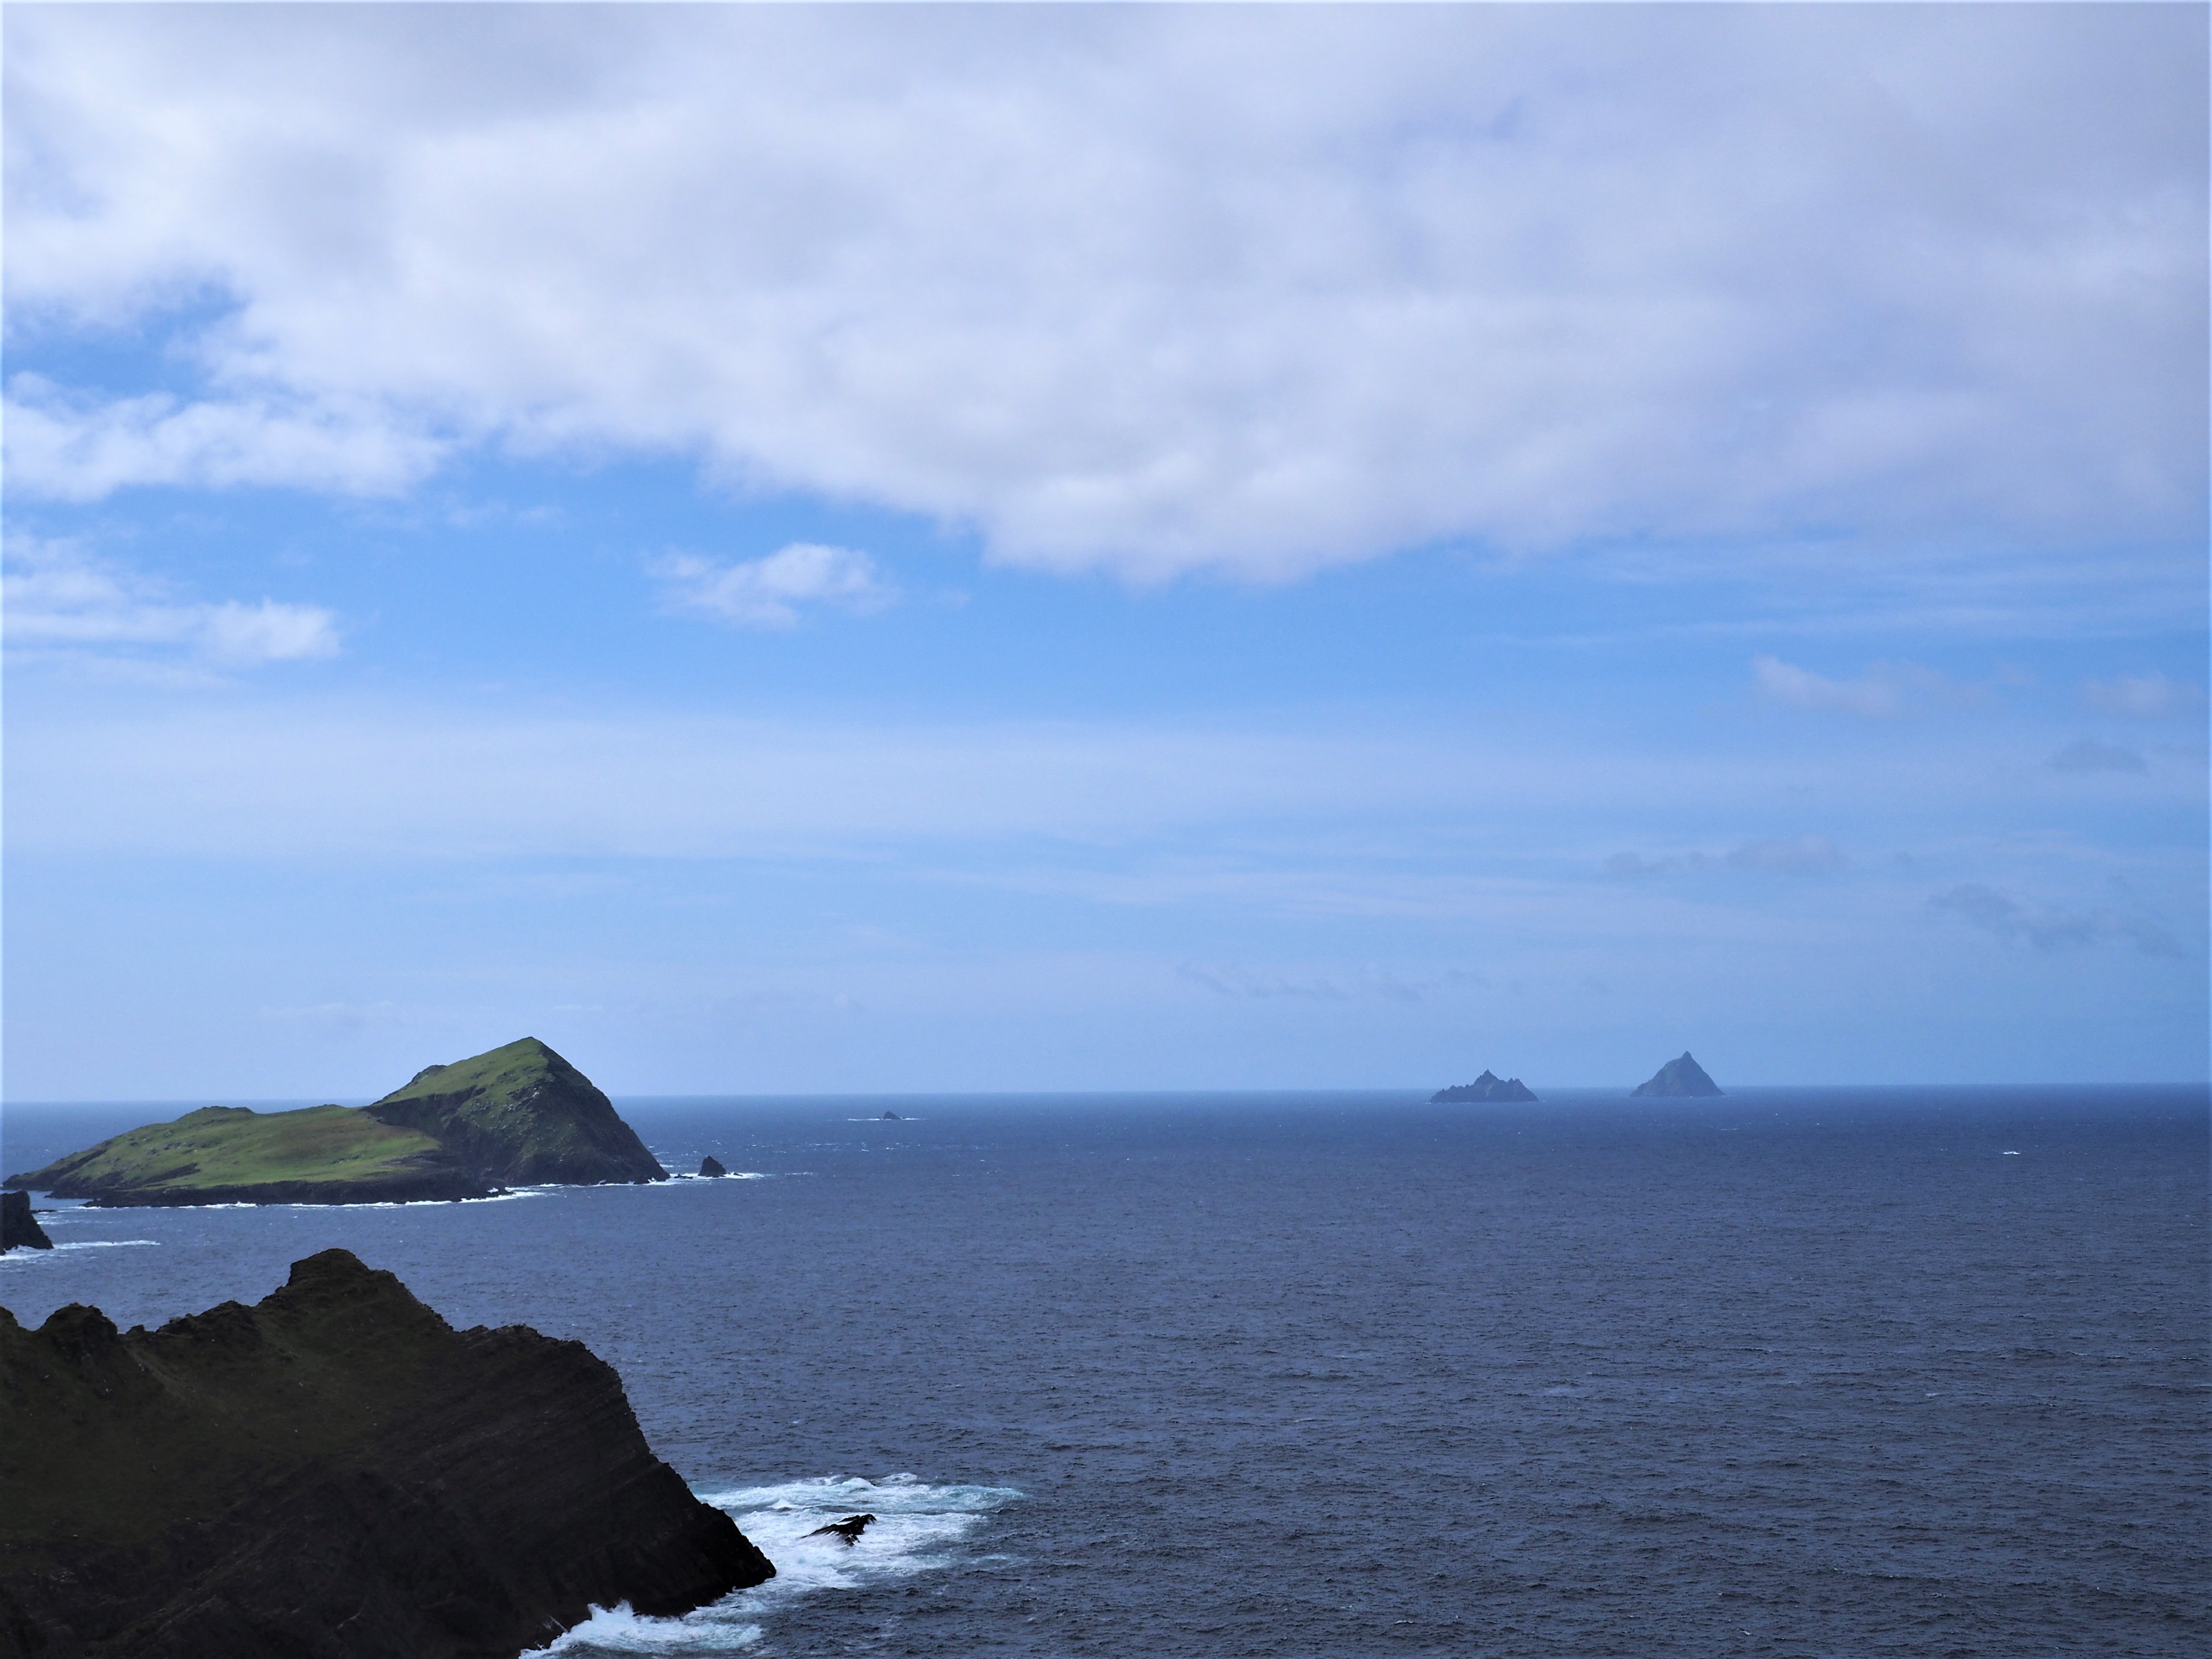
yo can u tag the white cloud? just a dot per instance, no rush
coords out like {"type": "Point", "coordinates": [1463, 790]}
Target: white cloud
{"type": "Point", "coordinates": [58, 598]}
{"type": "Point", "coordinates": [1155, 288]}
{"type": "Point", "coordinates": [1885, 691]}
{"type": "Point", "coordinates": [2143, 697]}
{"type": "Point", "coordinates": [767, 592]}
{"type": "Point", "coordinates": [77, 449]}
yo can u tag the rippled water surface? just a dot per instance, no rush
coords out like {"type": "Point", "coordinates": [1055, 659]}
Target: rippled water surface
{"type": "Point", "coordinates": [1814, 1372]}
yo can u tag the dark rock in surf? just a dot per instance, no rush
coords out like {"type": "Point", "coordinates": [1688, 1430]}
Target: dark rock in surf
{"type": "Point", "coordinates": [19, 1226]}
{"type": "Point", "coordinates": [335, 1472]}
{"type": "Point", "coordinates": [1683, 1077]}
{"type": "Point", "coordinates": [893, 1117]}
{"type": "Point", "coordinates": [1488, 1086]}
{"type": "Point", "coordinates": [849, 1529]}
{"type": "Point", "coordinates": [710, 1166]}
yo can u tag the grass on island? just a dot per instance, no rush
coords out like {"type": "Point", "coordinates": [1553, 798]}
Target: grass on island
{"type": "Point", "coordinates": [238, 1146]}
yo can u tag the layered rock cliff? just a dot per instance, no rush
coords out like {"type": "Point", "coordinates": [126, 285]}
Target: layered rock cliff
{"type": "Point", "coordinates": [333, 1471]}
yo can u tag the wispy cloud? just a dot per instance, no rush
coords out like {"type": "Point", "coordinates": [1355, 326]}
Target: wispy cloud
{"type": "Point", "coordinates": [2088, 754]}
{"type": "Point", "coordinates": [768, 592]}
{"type": "Point", "coordinates": [2142, 696]}
{"type": "Point", "coordinates": [1797, 855]}
{"type": "Point", "coordinates": [2052, 927]}
{"type": "Point", "coordinates": [59, 597]}
{"type": "Point", "coordinates": [1370, 980]}
{"type": "Point", "coordinates": [1884, 691]}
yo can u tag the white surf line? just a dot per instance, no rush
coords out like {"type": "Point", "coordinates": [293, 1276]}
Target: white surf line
{"type": "Point", "coordinates": [917, 1529]}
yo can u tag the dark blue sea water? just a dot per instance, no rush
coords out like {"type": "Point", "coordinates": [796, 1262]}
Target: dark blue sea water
{"type": "Point", "coordinates": [1836, 1373]}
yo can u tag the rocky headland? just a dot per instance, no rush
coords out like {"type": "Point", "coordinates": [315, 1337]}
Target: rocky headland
{"type": "Point", "coordinates": [1678, 1077]}
{"type": "Point", "coordinates": [1488, 1086]}
{"type": "Point", "coordinates": [333, 1471]}
{"type": "Point", "coordinates": [519, 1115]}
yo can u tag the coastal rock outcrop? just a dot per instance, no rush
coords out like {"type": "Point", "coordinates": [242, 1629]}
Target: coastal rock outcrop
{"type": "Point", "coordinates": [849, 1529]}
{"type": "Point", "coordinates": [18, 1226]}
{"type": "Point", "coordinates": [335, 1472]}
{"type": "Point", "coordinates": [712, 1166]}
{"type": "Point", "coordinates": [515, 1115]}
{"type": "Point", "coordinates": [1488, 1086]}
{"type": "Point", "coordinates": [1678, 1077]}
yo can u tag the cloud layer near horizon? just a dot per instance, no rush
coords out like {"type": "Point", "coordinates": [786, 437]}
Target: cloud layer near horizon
{"type": "Point", "coordinates": [1154, 289]}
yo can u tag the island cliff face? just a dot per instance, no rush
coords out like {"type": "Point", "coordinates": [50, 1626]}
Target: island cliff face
{"type": "Point", "coordinates": [518, 1114]}
{"type": "Point", "coordinates": [1488, 1086]}
{"type": "Point", "coordinates": [1678, 1077]}
{"type": "Point", "coordinates": [333, 1471]}
{"type": "Point", "coordinates": [521, 1114]}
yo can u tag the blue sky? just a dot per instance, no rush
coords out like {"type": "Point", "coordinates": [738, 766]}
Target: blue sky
{"type": "Point", "coordinates": [795, 549]}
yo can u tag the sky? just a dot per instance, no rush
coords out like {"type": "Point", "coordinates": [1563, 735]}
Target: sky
{"type": "Point", "coordinates": [838, 549]}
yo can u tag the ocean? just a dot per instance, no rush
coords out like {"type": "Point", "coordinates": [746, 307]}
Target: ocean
{"type": "Point", "coordinates": [1823, 1372]}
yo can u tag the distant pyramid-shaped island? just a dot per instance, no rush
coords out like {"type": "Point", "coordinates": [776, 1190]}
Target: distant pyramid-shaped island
{"type": "Point", "coordinates": [514, 1116]}
{"type": "Point", "coordinates": [1488, 1086]}
{"type": "Point", "coordinates": [1679, 1076]}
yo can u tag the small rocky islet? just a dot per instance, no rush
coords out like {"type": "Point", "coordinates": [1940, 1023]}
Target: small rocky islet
{"type": "Point", "coordinates": [515, 1115]}
{"type": "Point", "coordinates": [1678, 1078]}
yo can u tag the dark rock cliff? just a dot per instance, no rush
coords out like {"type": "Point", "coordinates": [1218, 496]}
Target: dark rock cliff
{"type": "Point", "coordinates": [18, 1225]}
{"type": "Point", "coordinates": [334, 1471]}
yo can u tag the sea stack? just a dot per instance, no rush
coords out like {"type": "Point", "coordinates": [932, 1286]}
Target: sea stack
{"type": "Point", "coordinates": [711, 1167]}
{"type": "Point", "coordinates": [1488, 1086]}
{"type": "Point", "coordinates": [1679, 1076]}
{"type": "Point", "coordinates": [19, 1226]}
{"type": "Point", "coordinates": [333, 1471]}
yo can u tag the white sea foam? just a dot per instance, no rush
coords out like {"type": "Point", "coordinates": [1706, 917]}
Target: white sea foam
{"type": "Point", "coordinates": [918, 1528]}
{"type": "Point", "coordinates": [24, 1253]}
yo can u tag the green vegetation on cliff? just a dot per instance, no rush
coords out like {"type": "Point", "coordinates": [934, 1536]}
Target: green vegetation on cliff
{"type": "Point", "coordinates": [520, 1114]}
{"type": "Point", "coordinates": [221, 1150]}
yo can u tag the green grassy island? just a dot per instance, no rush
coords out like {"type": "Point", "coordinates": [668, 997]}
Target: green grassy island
{"type": "Point", "coordinates": [519, 1115]}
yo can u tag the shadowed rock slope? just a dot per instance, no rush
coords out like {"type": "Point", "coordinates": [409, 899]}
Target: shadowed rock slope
{"type": "Point", "coordinates": [518, 1116]}
{"type": "Point", "coordinates": [334, 1471]}
{"type": "Point", "coordinates": [1678, 1077]}
{"type": "Point", "coordinates": [522, 1116]}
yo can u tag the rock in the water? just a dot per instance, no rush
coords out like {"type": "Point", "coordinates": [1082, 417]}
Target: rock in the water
{"type": "Point", "coordinates": [1488, 1086]}
{"type": "Point", "coordinates": [19, 1226]}
{"type": "Point", "coordinates": [335, 1471]}
{"type": "Point", "coordinates": [521, 1116]}
{"type": "Point", "coordinates": [712, 1166]}
{"type": "Point", "coordinates": [1679, 1076]}
{"type": "Point", "coordinates": [849, 1529]}
{"type": "Point", "coordinates": [891, 1117]}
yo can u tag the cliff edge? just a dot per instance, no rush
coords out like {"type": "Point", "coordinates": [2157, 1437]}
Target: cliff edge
{"type": "Point", "coordinates": [336, 1472]}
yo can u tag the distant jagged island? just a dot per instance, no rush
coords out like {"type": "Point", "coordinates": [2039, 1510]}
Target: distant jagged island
{"type": "Point", "coordinates": [1678, 1077]}
{"type": "Point", "coordinates": [516, 1115]}
{"type": "Point", "coordinates": [1488, 1086]}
